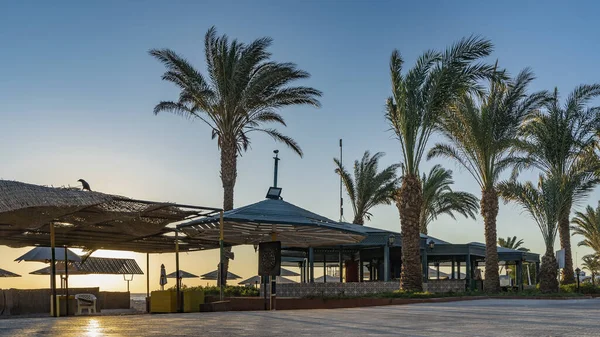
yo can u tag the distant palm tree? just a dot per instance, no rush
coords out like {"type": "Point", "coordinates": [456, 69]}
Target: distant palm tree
{"type": "Point", "coordinates": [439, 198]}
{"type": "Point", "coordinates": [242, 91]}
{"type": "Point", "coordinates": [587, 224]}
{"type": "Point", "coordinates": [480, 134]}
{"type": "Point", "coordinates": [558, 141]}
{"type": "Point", "coordinates": [369, 187]}
{"type": "Point", "coordinates": [512, 243]}
{"type": "Point", "coordinates": [418, 99]}
{"type": "Point", "coordinates": [591, 262]}
{"type": "Point", "coordinates": [543, 203]}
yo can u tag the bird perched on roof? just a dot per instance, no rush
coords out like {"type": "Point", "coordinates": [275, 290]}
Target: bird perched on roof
{"type": "Point", "coordinates": [85, 184]}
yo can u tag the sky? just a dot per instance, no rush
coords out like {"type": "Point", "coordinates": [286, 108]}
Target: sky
{"type": "Point", "coordinates": [77, 90]}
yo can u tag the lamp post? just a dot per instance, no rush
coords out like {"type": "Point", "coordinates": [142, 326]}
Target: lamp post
{"type": "Point", "coordinates": [431, 244]}
{"type": "Point", "coordinates": [577, 271]}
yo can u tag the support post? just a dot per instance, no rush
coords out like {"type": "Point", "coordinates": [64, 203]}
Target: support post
{"type": "Point", "coordinates": [437, 266]}
{"type": "Point", "coordinates": [66, 282]}
{"type": "Point", "coordinates": [453, 263]}
{"type": "Point", "coordinates": [147, 281]}
{"type": "Point", "coordinates": [221, 264]}
{"type": "Point", "coordinates": [325, 268]}
{"type": "Point", "coordinates": [458, 270]}
{"type": "Point", "coordinates": [519, 275]}
{"type": "Point", "coordinates": [468, 272]}
{"type": "Point", "coordinates": [274, 278]}
{"type": "Point", "coordinates": [425, 265]}
{"type": "Point", "coordinates": [178, 286]}
{"type": "Point", "coordinates": [386, 263]}
{"type": "Point", "coordinates": [53, 269]}
{"type": "Point", "coordinates": [360, 268]}
{"type": "Point", "coordinates": [341, 266]}
{"type": "Point", "coordinates": [311, 264]}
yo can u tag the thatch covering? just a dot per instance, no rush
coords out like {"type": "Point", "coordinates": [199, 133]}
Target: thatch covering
{"type": "Point", "coordinates": [91, 220]}
{"type": "Point", "coordinates": [6, 273]}
{"type": "Point", "coordinates": [96, 265]}
{"type": "Point", "coordinates": [182, 274]}
{"type": "Point", "coordinates": [213, 276]}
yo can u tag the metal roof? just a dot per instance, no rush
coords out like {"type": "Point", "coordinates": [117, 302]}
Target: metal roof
{"type": "Point", "coordinates": [6, 273]}
{"type": "Point", "coordinates": [287, 272]}
{"type": "Point", "coordinates": [256, 280]}
{"type": "Point", "coordinates": [96, 265]}
{"type": "Point", "coordinates": [91, 220]}
{"type": "Point", "coordinates": [255, 223]}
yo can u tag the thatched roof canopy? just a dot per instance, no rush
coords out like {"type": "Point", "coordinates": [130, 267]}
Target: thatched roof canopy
{"type": "Point", "coordinates": [92, 220]}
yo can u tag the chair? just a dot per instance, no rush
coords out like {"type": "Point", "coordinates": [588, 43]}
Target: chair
{"type": "Point", "coordinates": [86, 301]}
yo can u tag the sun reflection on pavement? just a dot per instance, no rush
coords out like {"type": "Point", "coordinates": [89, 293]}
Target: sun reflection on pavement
{"type": "Point", "coordinates": [93, 328]}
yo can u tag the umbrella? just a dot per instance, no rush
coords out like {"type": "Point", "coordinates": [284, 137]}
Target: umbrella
{"type": "Point", "coordinates": [6, 273]}
{"type": "Point", "coordinates": [163, 277]}
{"type": "Point", "coordinates": [213, 276]}
{"type": "Point", "coordinates": [287, 272]}
{"type": "Point", "coordinates": [256, 280]}
{"type": "Point", "coordinates": [44, 254]}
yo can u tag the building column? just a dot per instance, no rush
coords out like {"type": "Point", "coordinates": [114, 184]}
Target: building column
{"type": "Point", "coordinates": [325, 268]}
{"type": "Point", "coordinates": [311, 264]}
{"type": "Point", "coordinates": [425, 265]}
{"type": "Point", "coordinates": [386, 263]}
{"type": "Point", "coordinates": [519, 275]}
{"type": "Point", "coordinates": [453, 275]}
{"type": "Point", "coordinates": [458, 270]}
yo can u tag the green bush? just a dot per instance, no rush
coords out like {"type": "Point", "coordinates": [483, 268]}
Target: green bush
{"type": "Point", "coordinates": [584, 288]}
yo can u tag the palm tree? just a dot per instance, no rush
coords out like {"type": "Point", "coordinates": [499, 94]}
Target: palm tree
{"type": "Point", "coordinates": [588, 225]}
{"type": "Point", "coordinates": [555, 141]}
{"type": "Point", "coordinates": [419, 96]}
{"type": "Point", "coordinates": [543, 203]}
{"type": "Point", "coordinates": [439, 198]}
{"type": "Point", "coordinates": [591, 262]}
{"type": "Point", "coordinates": [512, 243]}
{"type": "Point", "coordinates": [369, 187]}
{"type": "Point", "coordinates": [242, 92]}
{"type": "Point", "coordinates": [480, 135]}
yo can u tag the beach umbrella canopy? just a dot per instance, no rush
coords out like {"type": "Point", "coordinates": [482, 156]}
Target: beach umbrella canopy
{"type": "Point", "coordinates": [60, 270]}
{"type": "Point", "coordinates": [163, 276]}
{"type": "Point", "coordinates": [213, 276]}
{"type": "Point", "coordinates": [6, 273]}
{"type": "Point", "coordinates": [182, 274]}
{"type": "Point", "coordinates": [44, 254]}
{"type": "Point", "coordinates": [287, 272]}
{"type": "Point", "coordinates": [256, 279]}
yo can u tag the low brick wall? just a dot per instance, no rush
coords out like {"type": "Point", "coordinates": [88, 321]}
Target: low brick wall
{"type": "Point", "coordinates": [36, 301]}
{"type": "Point", "coordinates": [334, 289]}
{"type": "Point", "coordinates": [256, 304]}
{"type": "Point", "coordinates": [445, 286]}
{"type": "Point", "coordinates": [115, 300]}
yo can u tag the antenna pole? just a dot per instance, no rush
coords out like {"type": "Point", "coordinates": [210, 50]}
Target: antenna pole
{"type": "Point", "coordinates": [276, 158]}
{"type": "Point", "coordinates": [341, 196]}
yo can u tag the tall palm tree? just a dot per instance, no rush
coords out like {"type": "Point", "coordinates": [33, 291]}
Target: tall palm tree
{"type": "Point", "coordinates": [555, 141]}
{"type": "Point", "coordinates": [543, 203]}
{"type": "Point", "coordinates": [439, 198]}
{"type": "Point", "coordinates": [418, 98]}
{"type": "Point", "coordinates": [241, 92]}
{"type": "Point", "coordinates": [480, 134]}
{"type": "Point", "coordinates": [512, 243]}
{"type": "Point", "coordinates": [591, 262]}
{"type": "Point", "coordinates": [587, 224]}
{"type": "Point", "coordinates": [369, 187]}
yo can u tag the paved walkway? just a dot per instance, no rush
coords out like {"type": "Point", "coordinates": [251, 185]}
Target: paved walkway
{"type": "Point", "coordinates": [469, 318]}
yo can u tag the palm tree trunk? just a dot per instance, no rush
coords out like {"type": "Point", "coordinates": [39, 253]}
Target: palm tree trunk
{"type": "Point", "coordinates": [568, 274]}
{"type": "Point", "coordinates": [489, 211]}
{"type": "Point", "coordinates": [548, 272]}
{"type": "Point", "coordinates": [358, 220]}
{"type": "Point", "coordinates": [228, 178]}
{"type": "Point", "coordinates": [422, 223]}
{"type": "Point", "coordinates": [408, 200]}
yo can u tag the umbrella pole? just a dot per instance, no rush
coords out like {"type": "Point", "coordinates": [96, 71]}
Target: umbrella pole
{"type": "Point", "coordinates": [53, 270]}
{"type": "Point", "coordinates": [221, 266]}
{"type": "Point", "coordinates": [177, 271]}
{"type": "Point", "coordinates": [66, 282]}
